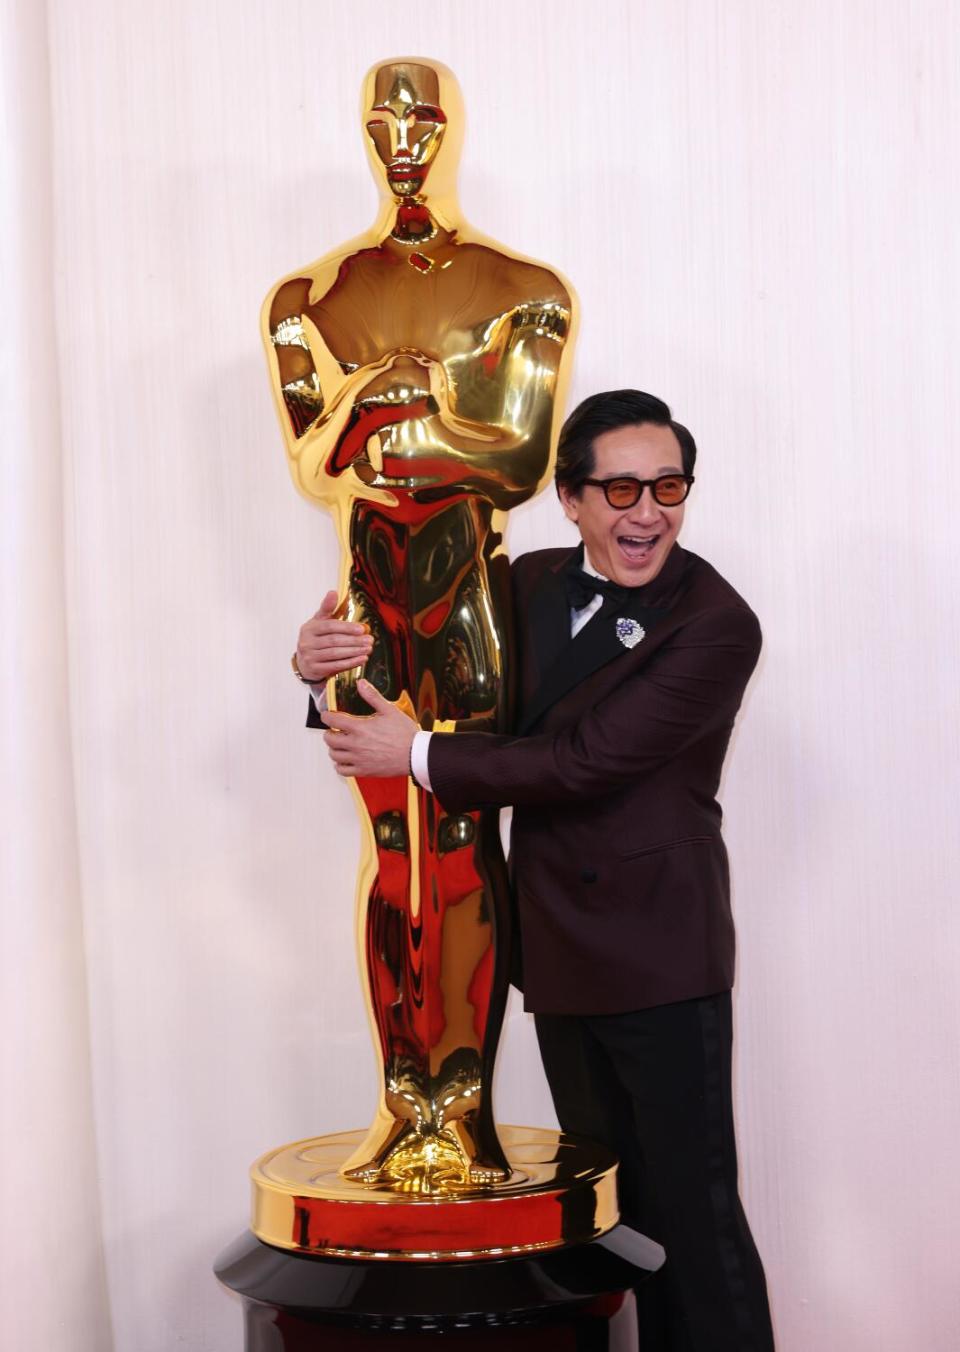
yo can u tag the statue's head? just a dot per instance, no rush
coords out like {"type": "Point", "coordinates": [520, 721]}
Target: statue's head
{"type": "Point", "coordinates": [412, 113]}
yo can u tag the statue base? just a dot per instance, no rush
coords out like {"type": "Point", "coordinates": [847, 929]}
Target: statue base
{"type": "Point", "coordinates": [561, 1191]}
{"type": "Point", "coordinates": [563, 1300]}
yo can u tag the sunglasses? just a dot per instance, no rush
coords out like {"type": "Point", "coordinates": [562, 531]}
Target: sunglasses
{"type": "Point", "coordinates": [669, 490]}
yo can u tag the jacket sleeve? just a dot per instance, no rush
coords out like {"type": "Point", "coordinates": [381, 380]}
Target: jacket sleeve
{"type": "Point", "coordinates": [313, 714]}
{"type": "Point", "coordinates": [688, 689]}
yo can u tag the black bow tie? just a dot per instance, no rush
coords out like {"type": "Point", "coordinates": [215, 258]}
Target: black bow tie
{"type": "Point", "coordinates": [582, 587]}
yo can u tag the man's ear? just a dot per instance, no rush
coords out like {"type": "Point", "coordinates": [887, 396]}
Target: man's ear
{"type": "Point", "coordinates": [569, 501]}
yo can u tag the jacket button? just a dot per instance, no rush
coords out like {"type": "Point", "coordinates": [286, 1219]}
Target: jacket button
{"type": "Point", "coordinates": [589, 875]}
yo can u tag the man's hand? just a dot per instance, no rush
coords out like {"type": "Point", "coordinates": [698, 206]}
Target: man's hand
{"type": "Point", "coordinates": [327, 646]}
{"type": "Point", "coordinates": [370, 747]}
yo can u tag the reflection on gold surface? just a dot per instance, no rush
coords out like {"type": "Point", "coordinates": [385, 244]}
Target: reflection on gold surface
{"type": "Point", "coordinates": [559, 1191]}
{"type": "Point", "coordinates": [419, 374]}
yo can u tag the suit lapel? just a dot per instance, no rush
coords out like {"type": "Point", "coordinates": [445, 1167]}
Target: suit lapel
{"type": "Point", "coordinates": [597, 643]}
{"type": "Point", "coordinates": [548, 622]}
{"type": "Point", "coordinates": [564, 662]}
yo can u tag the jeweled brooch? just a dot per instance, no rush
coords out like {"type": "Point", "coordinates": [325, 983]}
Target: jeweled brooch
{"type": "Point", "coordinates": [629, 632]}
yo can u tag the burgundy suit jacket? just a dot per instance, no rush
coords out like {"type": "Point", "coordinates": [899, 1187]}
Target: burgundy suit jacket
{"type": "Point", "coordinates": [618, 866]}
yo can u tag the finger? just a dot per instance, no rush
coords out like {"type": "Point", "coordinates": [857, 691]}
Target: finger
{"type": "Point", "coordinates": [337, 744]}
{"type": "Point", "coordinates": [328, 605]}
{"type": "Point", "coordinates": [333, 647]}
{"type": "Point", "coordinates": [331, 652]}
{"type": "Point", "coordinates": [313, 664]}
{"type": "Point", "coordinates": [342, 722]}
{"type": "Point", "coordinates": [334, 631]}
{"type": "Point", "coordinates": [324, 619]}
{"type": "Point", "coordinates": [341, 757]}
{"type": "Point", "coordinates": [318, 652]}
{"type": "Point", "coordinates": [326, 624]}
{"type": "Point", "coordinates": [371, 695]}
{"type": "Point", "coordinates": [325, 628]}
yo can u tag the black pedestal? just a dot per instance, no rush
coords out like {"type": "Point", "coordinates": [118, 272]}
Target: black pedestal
{"type": "Point", "coordinates": [566, 1300]}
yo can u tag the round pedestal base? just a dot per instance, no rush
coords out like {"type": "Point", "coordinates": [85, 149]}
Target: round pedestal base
{"type": "Point", "coordinates": [561, 1191]}
{"type": "Point", "coordinates": [563, 1300]}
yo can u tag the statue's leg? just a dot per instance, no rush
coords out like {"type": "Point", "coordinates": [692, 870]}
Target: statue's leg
{"type": "Point", "coordinates": [394, 978]}
{"type": "Point", "coordinates": [438, 898]}
{"type": "Point", "coordinates": [429, 945]}
{"type": "Point", "coordinates": [389, 950]}
{"type": "Point", "coordinates": [430, 939]}
{"type": "Point", "coordinates": [469, 980]}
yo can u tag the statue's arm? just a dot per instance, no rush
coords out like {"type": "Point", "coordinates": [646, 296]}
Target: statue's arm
{"type": "Point", "coordinates": [313, 393]}
{"type": "Point", "coordinates": [308, 382]}
{"type": "Point", "coordinates": [497, 407]}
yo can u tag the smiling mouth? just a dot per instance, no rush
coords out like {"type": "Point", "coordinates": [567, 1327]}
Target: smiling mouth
{"type": "Point", "coordinates": [637, 548]}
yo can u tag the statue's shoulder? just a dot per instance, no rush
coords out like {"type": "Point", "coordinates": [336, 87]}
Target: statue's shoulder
{"type": "Point", "coordinates": [296, 291]}
{"type": "Point", "coordinates": [533, 276]}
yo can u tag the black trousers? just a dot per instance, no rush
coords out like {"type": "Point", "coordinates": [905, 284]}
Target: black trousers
{"type": "Point", "coordinates": [655, 1086]}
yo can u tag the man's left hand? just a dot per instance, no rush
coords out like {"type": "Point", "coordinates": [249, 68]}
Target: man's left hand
{"type": "Point", "coordinates": [375, 746]}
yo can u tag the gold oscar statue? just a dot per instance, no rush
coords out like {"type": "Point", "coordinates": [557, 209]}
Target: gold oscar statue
{"type": "Point", "coordinates": [419, 373]}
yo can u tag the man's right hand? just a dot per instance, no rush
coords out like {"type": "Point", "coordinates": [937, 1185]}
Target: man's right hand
{"type": "Point", "coordinates": [327, 646]}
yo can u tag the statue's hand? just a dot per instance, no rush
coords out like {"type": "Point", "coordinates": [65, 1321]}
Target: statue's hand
{"type": "Point", "coordinates": [405, 378]}
{"type": "Point", "coordinates": [327, 646]}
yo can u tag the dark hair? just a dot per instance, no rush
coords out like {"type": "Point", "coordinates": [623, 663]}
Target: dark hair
{"type": "Point", "coordinates": [602, 413]}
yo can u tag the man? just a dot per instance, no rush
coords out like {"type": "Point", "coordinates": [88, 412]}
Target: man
{"type": "Point", "coordinates": [634, 657]}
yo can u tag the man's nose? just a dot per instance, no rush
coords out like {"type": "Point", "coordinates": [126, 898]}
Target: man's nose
{"type": "Point", "coordinates": [646, 510]}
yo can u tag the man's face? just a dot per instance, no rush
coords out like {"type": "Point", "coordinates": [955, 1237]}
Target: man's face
{"type": "Point", "coordinates": [406, 125]}
{"type": "Point", "coordinates": [628, 545]}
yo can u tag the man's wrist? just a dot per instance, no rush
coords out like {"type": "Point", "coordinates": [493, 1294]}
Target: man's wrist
{"type": "Point", "coordinates": [295, 667]}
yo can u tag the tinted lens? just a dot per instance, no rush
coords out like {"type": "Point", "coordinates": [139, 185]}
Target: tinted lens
{"type": "Point", "coordinates": [670, 490]}
{"type": "Point", "coordinates": [622, 492]}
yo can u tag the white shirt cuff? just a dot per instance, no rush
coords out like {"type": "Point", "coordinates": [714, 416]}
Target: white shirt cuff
{"type": "Point", "coordinates": [319, 694]}
{"type": "Point", "coordinates": [418, 759]}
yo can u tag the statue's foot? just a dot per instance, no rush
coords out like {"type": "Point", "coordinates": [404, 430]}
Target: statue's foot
{"type": "Point", "coordinates": [484, 1160]}
{"type": "Point", "coordinates": [436, 1162]}
{"type": "Point", "coordinates": [371, 1163]}
{"type": "Point", "coordinates": [416, 1155]}
{"type": "Point", "coordinates": [364, 1173]}
{"type": "Point", "coordinates": [485, 1174]}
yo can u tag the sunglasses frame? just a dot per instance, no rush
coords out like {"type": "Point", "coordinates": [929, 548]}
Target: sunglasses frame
{"type": "Point", "coordinates": [641, 485]}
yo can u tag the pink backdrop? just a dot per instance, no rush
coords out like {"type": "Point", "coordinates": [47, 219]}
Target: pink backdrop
{"type": "Point", "coordinates": [757, 204]}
